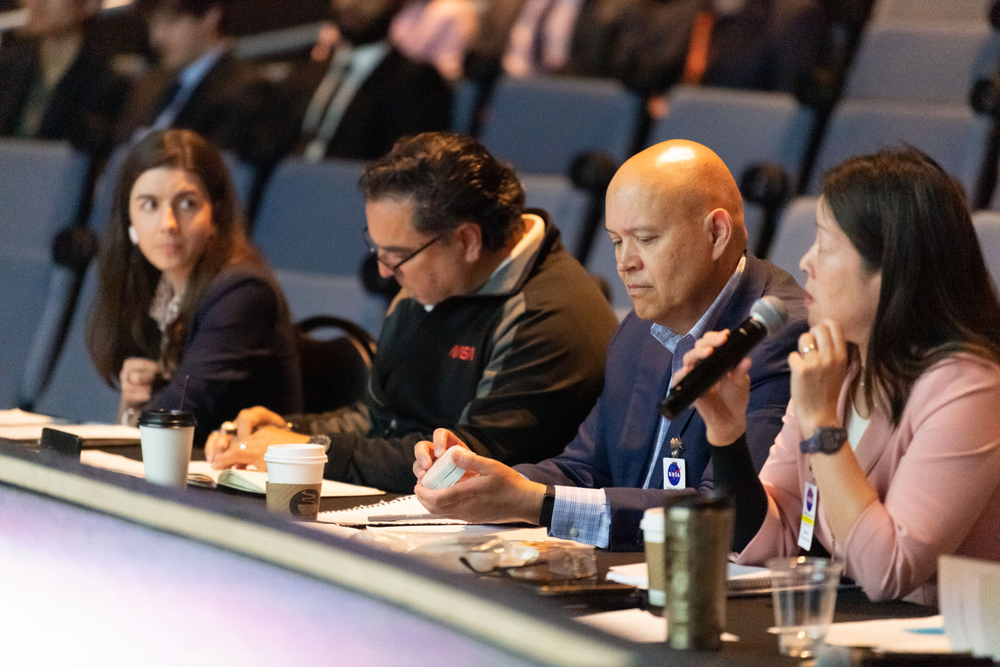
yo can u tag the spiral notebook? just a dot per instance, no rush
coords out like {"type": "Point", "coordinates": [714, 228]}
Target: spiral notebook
{"type": "Point", "coordinates": [404, 511]}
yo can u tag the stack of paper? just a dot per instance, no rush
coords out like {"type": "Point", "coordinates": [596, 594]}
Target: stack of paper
{"type": "Point", "coordinates": [969, 592]}
{"type": "Point", "coordinates": [740, 577]}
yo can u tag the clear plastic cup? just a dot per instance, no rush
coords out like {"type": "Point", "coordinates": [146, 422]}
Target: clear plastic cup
{"type": "Point", "coordinates": [804, 594]}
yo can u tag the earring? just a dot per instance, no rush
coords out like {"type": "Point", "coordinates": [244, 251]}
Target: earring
{"type": "Point", "coordinates": [133, 235]}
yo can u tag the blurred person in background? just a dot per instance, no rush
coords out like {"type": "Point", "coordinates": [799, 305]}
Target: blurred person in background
{"type": "Point", "coordinates": [184, 299]}
{"type": "Point", "coordinates": [366, 94]}
{"type": "Point", "coordinates": [53, 85]}
{"type": "Point", "coordinates": [199, 85]}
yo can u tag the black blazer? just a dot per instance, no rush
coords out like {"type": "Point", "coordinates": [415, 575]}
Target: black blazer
{"type": "Point", "coordinates": [401, 97]}
{"type": "Point", "coordinates": [83, 107]}
{"type": "Point", "coordinates": [233, 106]}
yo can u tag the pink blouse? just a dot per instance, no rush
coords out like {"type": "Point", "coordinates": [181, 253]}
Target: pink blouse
{"type": "Point", "coordinates": [937, 476]}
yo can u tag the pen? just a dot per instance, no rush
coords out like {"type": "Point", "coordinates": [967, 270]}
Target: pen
{"type": "Point", "coordinates": [389, 518]}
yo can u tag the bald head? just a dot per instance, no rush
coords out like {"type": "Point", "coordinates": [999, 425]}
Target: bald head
{"type": "Point", "coordinates": [685, 181]}
{"type": "Point", "coordinates": [675, 215]}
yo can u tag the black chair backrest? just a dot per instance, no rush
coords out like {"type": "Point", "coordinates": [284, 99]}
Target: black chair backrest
{"type": "Point", "coordinates": [335, 370]}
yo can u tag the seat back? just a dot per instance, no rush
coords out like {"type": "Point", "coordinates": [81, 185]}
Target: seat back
{"type": "Point", "coordinates": [311, 216]}
{"type": "Point", "coordinates": [567, 205]}
{"type": "Point", "coordinates": [75, 390]}
{"type": "Point", "coordinates": [311, 294]}
{"type": "Point", "coordinates": [951, 134]}
{"type": "Point", "coordinates": [987, 224]}
{"type": "Point", "coordinates": [887, 11]}
{"type": "Point", "coordinates": [795, 235]}
{"type": "Point", "coordinates": [335, 370]}
{"type": "Point", "coordinates": [41, 185]}
{"type": "Point", "coordinates": [743, 128]}
{"type": "Point", "coordinates": [539, 124]}
{"type": "Point", "coordinates": [922, 61]}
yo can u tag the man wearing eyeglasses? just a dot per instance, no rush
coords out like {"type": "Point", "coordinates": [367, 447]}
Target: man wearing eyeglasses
{"type": "Point", "coordinates": [497, 331]}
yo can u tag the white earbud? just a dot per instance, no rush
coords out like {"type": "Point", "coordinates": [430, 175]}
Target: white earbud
{"type": "Point", "coordinates": [132, 234]}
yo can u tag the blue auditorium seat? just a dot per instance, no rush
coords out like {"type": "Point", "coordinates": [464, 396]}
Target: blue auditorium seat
{"type": "Point", "coordinates": [743, 128]}
{"type": "Point", "coordinates": [539, 124]}
{"type": "Point", "coordinates": [311, 294]}
{"type": "Point", "coordinates": [311, 216]}
{"type": "Point", "coordinates": [953, 135]}
{"type": "Point", "coordinates": [795, 235]}
{"type": "Point", "coordinates": [41, 184]}
{"type": "Point", "coordinates": [309, 228]}
{"type": "Point", "coordinates": [567, 204]}
{"type": "Point", "coordinates": [922, 61]}
{"type": "Point", "coordinates": [75, 391]}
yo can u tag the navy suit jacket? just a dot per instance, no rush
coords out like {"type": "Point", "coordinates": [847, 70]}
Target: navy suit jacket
{"type": "Point", "coordinates": [614, 445]}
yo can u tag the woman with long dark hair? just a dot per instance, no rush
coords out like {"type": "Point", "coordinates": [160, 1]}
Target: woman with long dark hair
{"type": "Point", "coordinates": [183, 297]}
{"type": "Point", "coordinates": [895, 413]}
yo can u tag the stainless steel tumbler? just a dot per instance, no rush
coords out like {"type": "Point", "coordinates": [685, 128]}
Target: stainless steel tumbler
{"type": "Point", "coordinates": [698, 533]}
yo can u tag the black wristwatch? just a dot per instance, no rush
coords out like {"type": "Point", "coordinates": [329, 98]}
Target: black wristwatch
{"type": "Point", "coordinates": [548, 504]}
{"type": "Point", "coordinates": [824, 440]}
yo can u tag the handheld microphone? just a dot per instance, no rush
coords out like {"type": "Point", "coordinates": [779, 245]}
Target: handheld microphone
{"type": "Point", "coordinates": [767, 316]}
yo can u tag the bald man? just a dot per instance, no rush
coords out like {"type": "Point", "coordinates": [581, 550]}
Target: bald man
{"type": "Point", "coordinates": [675, 217]}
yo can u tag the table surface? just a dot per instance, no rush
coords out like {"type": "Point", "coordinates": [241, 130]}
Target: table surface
{"type": "Point", "coordinates": [747, 617]}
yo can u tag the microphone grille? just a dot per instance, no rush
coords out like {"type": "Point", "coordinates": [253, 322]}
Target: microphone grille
{"type": "Point", "coordinates": [771, 312]}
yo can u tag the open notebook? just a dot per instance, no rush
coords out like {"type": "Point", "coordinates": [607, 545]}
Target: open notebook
{"type": "Point", "coordinates": [201, 473]}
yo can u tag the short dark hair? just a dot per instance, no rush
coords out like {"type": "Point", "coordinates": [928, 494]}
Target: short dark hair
{"type": "Point", "coordinates": [908, 218]}
{"type": "Point", "coordinates": [186, 7]}
{"type": "Point", "coordinates": [450, 179]}
{"type": "Point", "coordinates": [119, 325]}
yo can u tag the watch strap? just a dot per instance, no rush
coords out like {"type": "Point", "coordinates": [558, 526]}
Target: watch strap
{"type": "Point", "coordinates": [824, 440]}
{"type": "Point", "coordinates": [548, 504]}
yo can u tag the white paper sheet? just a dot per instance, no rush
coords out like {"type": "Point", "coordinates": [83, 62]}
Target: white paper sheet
{"type": "Point", "coordinates": [636, 574]}
{"type": "Point", "coordinates": [892, 635]}
{"type": "Point", "coordinates": [969, 591]}
{"type": "Point", "coordinates": [18, 417]}
{"type": "Point", "coordinates": [105, 433]}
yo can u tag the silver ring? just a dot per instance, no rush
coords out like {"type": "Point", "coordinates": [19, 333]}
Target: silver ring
{"type": "Point", "coordinates": [806, 350]}
{"type": "Point", "coordinates": [243, 445]}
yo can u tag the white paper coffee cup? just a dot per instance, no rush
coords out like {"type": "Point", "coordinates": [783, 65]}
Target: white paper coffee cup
{"type": "Point", "coordinates": [166, 437]}
{"type": "Point", "coordinates": [295, 479]}
{"type": "Point", "coordinates": [652, 526]}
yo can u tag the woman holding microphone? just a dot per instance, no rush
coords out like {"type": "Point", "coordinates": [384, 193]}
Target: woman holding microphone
{"type": "Point", "coordinates": [894, 422]}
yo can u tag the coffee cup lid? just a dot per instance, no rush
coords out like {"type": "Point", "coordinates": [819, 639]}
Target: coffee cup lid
{"type": "Point", "coordinates": [161, 418]}
{"type": "Point", "coordinates": [295, 453]}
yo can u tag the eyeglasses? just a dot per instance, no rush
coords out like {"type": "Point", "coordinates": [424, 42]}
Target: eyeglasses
{"type": "Point", "coordinates": [402, 256]}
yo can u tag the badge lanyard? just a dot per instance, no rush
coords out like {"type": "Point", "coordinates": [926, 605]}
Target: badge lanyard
{"type": "Point", "coordinates": [810, 499]}
{"type": "Point", "coordinates": [674, 467]}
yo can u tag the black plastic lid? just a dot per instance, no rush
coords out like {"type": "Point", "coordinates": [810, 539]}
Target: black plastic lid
{"type": "Point", "coordinates": [167, 418]}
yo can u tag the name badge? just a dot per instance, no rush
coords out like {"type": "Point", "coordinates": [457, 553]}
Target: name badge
{"type": "Point", "coordinates": [810, 498]}
{"type": "Point", "coordinates": [674, 474]}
